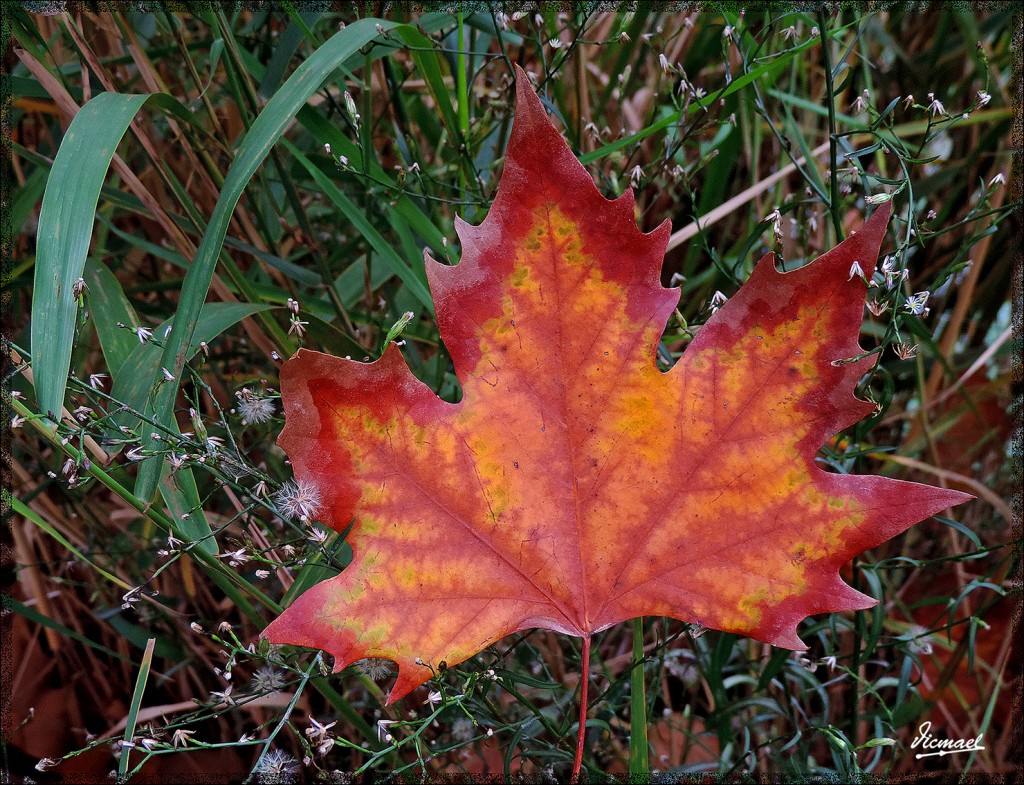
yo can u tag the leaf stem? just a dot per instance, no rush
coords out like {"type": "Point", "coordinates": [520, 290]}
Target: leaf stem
{"type": "Point", "coordinates": [577, 764]}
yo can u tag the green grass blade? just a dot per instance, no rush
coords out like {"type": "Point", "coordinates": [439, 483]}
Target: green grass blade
{"type": "Point", "coordinates": [133, 710]}
{"type": "Point", "coordinates": [9, 603]}
{"type": "Point", "coordinates": [320, 127]}
{"type": "Point", "coordinates": [426, 62]}
{"type": "Point", "coordinates": [268, 127]}
{"type": "Point", "coordinates": [65, 228]}
{"type": "Point", "coordinates": [26, 512]}
{"type": "Point", "coordinates": [413, 278]}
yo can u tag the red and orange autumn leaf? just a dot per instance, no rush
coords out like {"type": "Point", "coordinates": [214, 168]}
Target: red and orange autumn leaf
{"type": "Point", "coordinates": [576, 485]}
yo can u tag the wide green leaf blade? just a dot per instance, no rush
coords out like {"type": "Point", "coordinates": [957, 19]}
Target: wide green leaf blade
{"type": "Point", "coordinates": [65, 229]}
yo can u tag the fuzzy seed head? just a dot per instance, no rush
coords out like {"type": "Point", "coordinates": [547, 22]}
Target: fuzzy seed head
{"type": "Point", "coordinates": [299, 500]}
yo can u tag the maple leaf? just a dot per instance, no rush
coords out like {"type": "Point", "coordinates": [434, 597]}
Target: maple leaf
{"type": "Point", "coordinates": [576, 485]}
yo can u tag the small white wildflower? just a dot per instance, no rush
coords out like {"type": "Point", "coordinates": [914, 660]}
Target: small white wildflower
{"type": "Point", "coordinates": [935, 105]}
{"type": "Point", "coordinates": [861, 102]}
{"type": "Point", "coordinates": [776, 220]}
{"type": "Point", "coordinates": [236, 558]}
{"type": "Point", "coordinates": [727, 31]}
{"type": "Point", "coordinates": [915, 304]}
{"type": "Point", "coordinates": [299, 500]}
{"type": "Point", "coordinates": [635, 174]}
{"type": "Point", "coordinates": [983, 98]}
{"type": "Point", "coordinates": [433, 698]}
{"type": "Point", "coordinates": [223, 696]}
{"type": "Point", "coordinates": [717, 301]}
{"type": "Point", "coordinates": [931, 216]}
{"type": "Point", "coordinates": [815, 32]}
{"type": "Point", "coordinates": [214, 443]}
{"type": "Point", "coordinates": [78, 288]}
{"type": "Point", "coordinates": [262, 574]}
{"type": "Point", "coordinates": [260, 489]}
{"type": "Point", "coordinates": [46, 763]}
{"type": "Point", "coordinates": [168, 376]}
{"type": "Point", "coordinates": [905, 351]}
{"type": "Point", "coordinates": [129, 598]}
{"type": "Point", "coordinates": [829, 661]}
{"type": "Point", "coordinates": [317, 730]}
{"type": "Point", "coordinates": [297, 327]}
{"type": "Point", "coordinates": [805, 662]}
{"type": "Point", "coordinates": [382, 730]}
{"type": "Point", "coordinates": [196, 627]}
{"type": "Point", "coordinates": [999, 179]}
{"type": "Point", "coordinates": [908, 101]}
{"type": "Point", "coordinates": [134, 454]}
{"type": "Point", "coordinates": [855, 270]}
{"type": "Point", "coordinates": [316, 535]}
{"type": "Point", "coordinates": [181, 737]}
{"type": "Point", "coordinates": [624, 37]}
{"type": "Point", "coordinates": [245, 738]}
{"type": "Point", "coordinates": [666, 66]}
{"type": "Point", "coordinates": [148, 743]}
{"type": "Point", "coordinates": [789, 33]}
{"type": "Point", "coordinates": [878, 307]}
{"type": "Point", "coordinates": [96, 380]}
{"type": "Point", "coordinates": [17, 421]}
{"type": "Point", "coordinates": [555, 43]}
{"type": "Point", "coordinates": [143, 334]}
